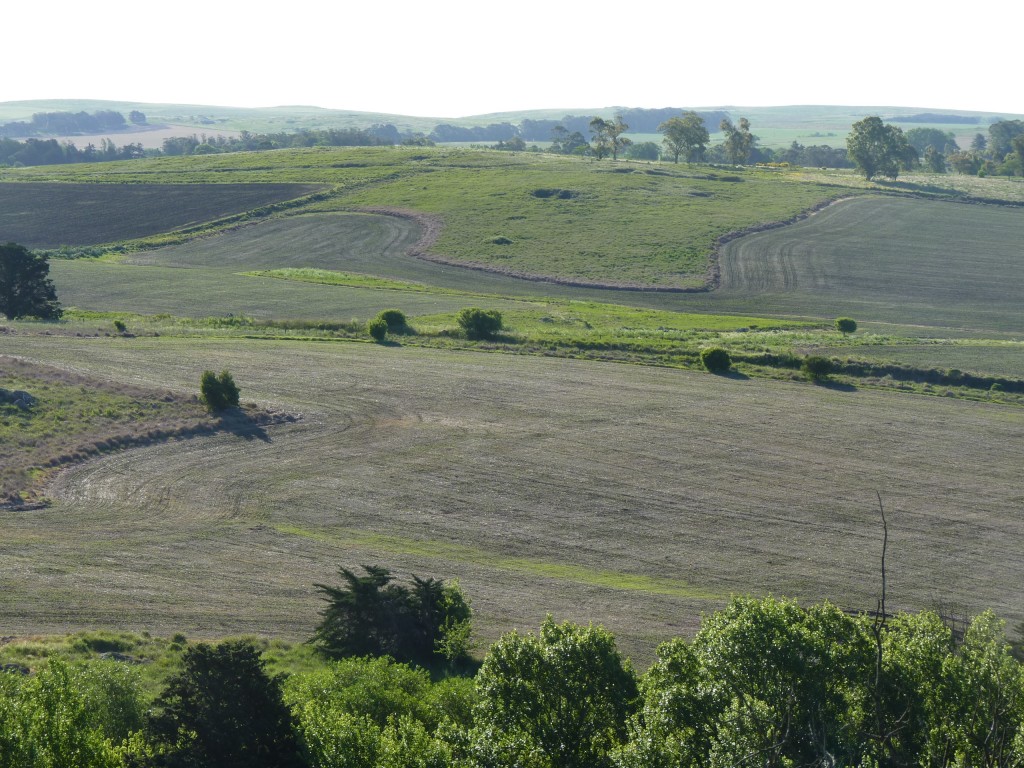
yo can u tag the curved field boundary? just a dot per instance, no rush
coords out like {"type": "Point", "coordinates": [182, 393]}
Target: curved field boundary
{"type": "Point", "coordinates": [893, 259]}
{"type": "Point", "coordinates": [431, 226]}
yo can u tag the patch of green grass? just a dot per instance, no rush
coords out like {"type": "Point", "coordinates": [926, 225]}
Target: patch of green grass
{"type": "Point", "coordinates": [74, 417]}
{"type": "Point", "coordinates": [395, 545]}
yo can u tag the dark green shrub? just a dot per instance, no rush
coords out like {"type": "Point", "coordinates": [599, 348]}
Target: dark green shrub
{"type": "Point", "coordinates": [715, 359]}
{"type": "Point", "coordinates": [846, 325]}
{"type": "Point", "coordinates": [479, 323]}
{"type": "Point", "coordinates": [377, 328]}
{"type": "Point", "coordinates": [395, 319]}
{"type": "Point", "coordinates": [119, 326]}
{"type": "Point", "coordinates": [816, 366]}
{"type": "Point", "coordinates": [218, 392]}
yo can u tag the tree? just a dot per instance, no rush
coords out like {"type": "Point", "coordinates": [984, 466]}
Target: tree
{"type": "Point", "coordinates": [645, 150]}
{"type": "Point", "coordinates": [878, 149]}
{"type": "Point", "coordinates": [715, 359]}
{"type": "Point", "coordinates": [685, 136]}
{"type": "Point", "coordinates": [218, 392]}
{"type": "Point", "coordinates": [739, 141]}
{"type": "Point", "coordinates": [25, 286]}
{"type": "Point", "coordinates": [370, 615]}
{"type": "Point", "coordinates": [560, 699]}
{"type": "Point", "coordinates": [608, 136]}
{"type": "Point", "coordinates": [816, 367]}
{"type": "Point", "coordinates": [479, 323]}
{"type": "Point", "coordinates": [223, 709]}
{"type": "Point", "coordinates": [846, 325]}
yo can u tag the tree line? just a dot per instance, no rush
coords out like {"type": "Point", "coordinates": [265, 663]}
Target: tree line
{"type": "Point", "coordinates": [764, 682]}
{"type": "Point", "coordinates": [50, 123]}
{"type": "Point", "coordinates": [881, 149]}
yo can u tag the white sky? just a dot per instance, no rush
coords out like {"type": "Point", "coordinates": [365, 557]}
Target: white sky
{"type": "Point", "coordinates": [451, 58]}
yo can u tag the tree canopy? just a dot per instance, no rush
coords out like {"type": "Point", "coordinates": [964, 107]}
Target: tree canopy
{"type": "Point", "coordinates": [878, 149]}
{"type": "Point", "coordinates": [25, 287]}
{"type": "Point", "coordinates": [686, 136]}
{"type": "Point", "coordinates": [370, 615]}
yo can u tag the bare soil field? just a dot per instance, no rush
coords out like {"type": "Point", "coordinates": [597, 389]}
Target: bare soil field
{"type": "Point", "coordinates": [634, 497]}
{"type": "Point", "coordinates": [51, 215]}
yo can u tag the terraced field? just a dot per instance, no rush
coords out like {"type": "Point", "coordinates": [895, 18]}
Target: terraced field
{"type": "Point", "coordinates": [634, 497]}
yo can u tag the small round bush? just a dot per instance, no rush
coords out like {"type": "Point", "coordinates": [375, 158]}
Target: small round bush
{"type": "Point", "coordinates": [846, 325]}
{"type": "Point", "coordinates": [395, 319]}
{"type": "Point", "coordinates": [816, 366]}
{"type": "Point", "coordinates": [715, 359]}
{"type": "Point", "coordinates": [218, 392]}
{"type": "Point", "coordinates": [378, 328]}
{"type": "Point", "coordinates": [479, 323]}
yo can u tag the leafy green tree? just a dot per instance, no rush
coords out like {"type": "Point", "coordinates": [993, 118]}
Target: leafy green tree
{"type": "Point", "coordinates": [965, 162]}
{"type": "Point", "coordinates": [739, 141]}
{"type": "Point", "coordinates": [369, 615]}
{"type": "Point", "coordinates": [68, 715]}
{"type": "Point", "coordinates": [878, 149]}
{"type": "Point", "coordinates": [846, 325]}
{"type": "Point", "coordinates": [1001, 135]}
{"type": "Point", "coordinates": [479, 323]}
{"type": "Point", "coordinates": [979, 143]}
{"type": "Point", "coordinates": [686, 136]}
{"type": "Point", "coordinates": [223, 709]}
{"type": "Point", "coordinates": [715, 359]}
{"type": "Point", "coordinates": [934, 160]}
{"type": "Point", "coordinates": [558, 699]}
{"type": "Point", "coordinates": [565, 143]}
{"type": "Point", "coordinates": [218, 392]}
{"type": "Point", "coordinates": [25, 287]}
{"type": "Point", "coordinates": [608, 138]}
{"type": "Point", "coordinates": [922, 138]}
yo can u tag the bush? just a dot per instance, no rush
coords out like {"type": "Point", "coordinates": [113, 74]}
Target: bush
{"type": "Point", "coordinates": [395, 319]}
{"type": "Point", "coordinates": [218, 392]}
{"type": "Point", "coordinates": [846, 325]}
{"type": "Point", "coordinates": [715, 359]}
{"type": "Point", "coordinates": [479, 323]}
{"type": "Point", "coordinates": [816, 366]}
{"type": "Point", "coordinates": [377, 328]}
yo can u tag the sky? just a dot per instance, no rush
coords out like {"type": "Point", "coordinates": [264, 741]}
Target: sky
{"type": "Point", "coordinates": [451, 58]}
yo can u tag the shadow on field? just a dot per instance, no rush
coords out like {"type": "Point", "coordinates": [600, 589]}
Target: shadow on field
{"type": "Point", "coordinates": [909, 186]}
{"type": "Point", "coordinates": [838, 386]}
{"type": "Point", "coordinates": [239, 423]}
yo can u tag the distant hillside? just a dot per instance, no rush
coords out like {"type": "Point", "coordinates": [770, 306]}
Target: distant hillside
{"type": "Point", "coordinates": [775, 126]}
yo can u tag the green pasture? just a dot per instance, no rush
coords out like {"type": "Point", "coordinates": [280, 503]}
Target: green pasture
{"type": "Point", "coordinates": [630, 496]}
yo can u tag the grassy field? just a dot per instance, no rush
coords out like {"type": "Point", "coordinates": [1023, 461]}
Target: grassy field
{"type": "Point", "coordinates": [76, 417]}
{"type": "Point", "coordinates": [563, 218]}
{"type": "Point", "coordinates": [634, 497]}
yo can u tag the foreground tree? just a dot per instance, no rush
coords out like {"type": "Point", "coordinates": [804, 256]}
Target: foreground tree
{"type": "Point", "coordinates": [370, 615]}
{"type": "Point", "coordinates": [560, 699]}
{"type": "Point", "coordinates": [878, 149]}
{"type": "Point", "coordinates": [608, 136]}
{"type": "Point", "coordinates": [685, 136]}
{"type": "Point", "coordinates": [224, 710]}
{"type": "Point", "coordinates": [25, 286]}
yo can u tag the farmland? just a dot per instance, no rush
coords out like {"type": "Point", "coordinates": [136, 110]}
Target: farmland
{"type": "Point", "coordinates": [633, 495]}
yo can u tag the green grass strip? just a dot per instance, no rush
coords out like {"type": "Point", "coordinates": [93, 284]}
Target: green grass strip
{"type": "Point", "coordinates": [460, 553]}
